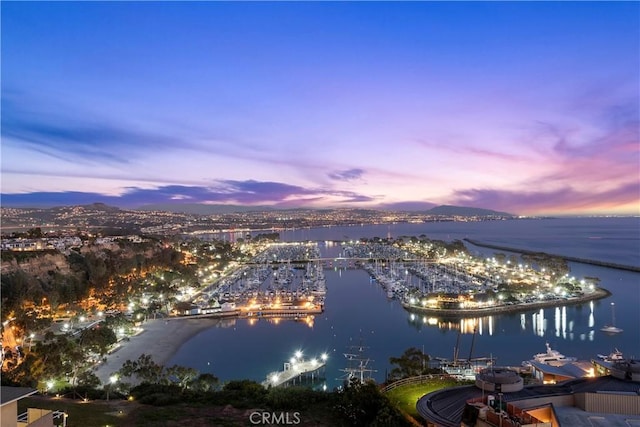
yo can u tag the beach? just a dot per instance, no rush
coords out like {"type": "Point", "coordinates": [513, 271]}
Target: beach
{"type": "Point", "coordinates": [160, 338]}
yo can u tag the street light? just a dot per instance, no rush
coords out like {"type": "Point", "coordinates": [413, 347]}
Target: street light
{"type": "Point", "coordinates": [31, 336]}
{"type": "Point", "coordinates": [274, 378]}
{"type": "Point", "coordinates": [112, 380]}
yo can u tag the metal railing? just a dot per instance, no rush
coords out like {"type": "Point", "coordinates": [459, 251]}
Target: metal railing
{"type": "Point", "coordinates": [24, 417]}
{"type": "Point", "coordinates": [412, 380]}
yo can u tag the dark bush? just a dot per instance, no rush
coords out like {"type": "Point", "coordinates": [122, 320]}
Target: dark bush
{"type": "Point", "coordinates": [294, 398]}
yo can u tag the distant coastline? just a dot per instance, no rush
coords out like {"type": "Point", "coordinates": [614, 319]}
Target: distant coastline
{"type": "Point", "coordinates": [598, 293]}
{"type": "Point", "coordinates": [568, 258]}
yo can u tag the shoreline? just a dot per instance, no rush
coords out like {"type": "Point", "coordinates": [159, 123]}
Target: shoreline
{"type": "Point", "coordinates": [599, 293]}
{"type": "Point", "coordinates": [160, 338]}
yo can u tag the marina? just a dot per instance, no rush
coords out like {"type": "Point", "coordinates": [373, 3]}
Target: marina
{"type": "Point", "coordinates": [426, 280]}
{"type": "Point", "coordinates": [357, 305]}
{"type": "Point", "coordinates": [283, 281]}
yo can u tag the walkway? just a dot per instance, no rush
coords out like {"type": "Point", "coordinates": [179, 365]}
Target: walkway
{"type": "Point", "coordinates": [294, 370]}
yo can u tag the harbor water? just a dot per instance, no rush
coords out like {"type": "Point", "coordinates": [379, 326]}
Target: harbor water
{"type": "Point", "coordinates": [358, 312]}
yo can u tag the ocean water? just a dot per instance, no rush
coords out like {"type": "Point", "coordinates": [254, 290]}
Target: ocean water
{"type": "Point", "coordinates": [358, 312]}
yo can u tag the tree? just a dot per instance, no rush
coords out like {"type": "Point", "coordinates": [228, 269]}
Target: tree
{"type": "Point", "coordinates": [88, 379]}
{"type": "Point", "coordinates": [182, 374]}
{"type": "Point", "coordinates": [360, 404]}
{"type": "Point", "coordinates": [205, 382]}
{"type": "Point", "coordinates": [98, 339]}
{"type": "Point", "coordinates": [412, 362]}
{"type": "Point", "coordinates": [145, 369]}
{"type": "Point", "coordinates": [34, 233]}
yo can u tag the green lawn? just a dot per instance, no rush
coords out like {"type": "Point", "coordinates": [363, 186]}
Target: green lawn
{"type": "Point", "coordinates": [94, 413]}
{"type": "Point", "coordinates": [405, 397]}
{"type": "Point", "coordinates": [122, 413]}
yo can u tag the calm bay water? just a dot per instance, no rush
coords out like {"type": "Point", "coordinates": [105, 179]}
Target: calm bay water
{"type": "Point", "coordinates": [358, 310]}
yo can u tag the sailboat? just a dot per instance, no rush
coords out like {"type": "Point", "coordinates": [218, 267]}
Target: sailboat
{"type": "Point", "coordinates": [611, 329]}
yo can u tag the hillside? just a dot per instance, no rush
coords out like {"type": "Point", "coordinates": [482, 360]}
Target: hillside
{"type": "Point", "coordinates": [466, 211]}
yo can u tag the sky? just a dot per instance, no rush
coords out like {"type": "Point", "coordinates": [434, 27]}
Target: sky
{"type": "Point", "coordinates": [525, 107]}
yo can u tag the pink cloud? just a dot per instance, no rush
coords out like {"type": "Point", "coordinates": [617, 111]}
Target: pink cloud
{"type": "Point", "coordinates": [540, 202]}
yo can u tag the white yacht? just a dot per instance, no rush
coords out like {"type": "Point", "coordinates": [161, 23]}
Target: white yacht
{"type": "Point", "coordinates": [614, 356]}
{"type": "Point", "coordinates": [612, 329]}
{"type": "Point", "coordinates": [550, 356]}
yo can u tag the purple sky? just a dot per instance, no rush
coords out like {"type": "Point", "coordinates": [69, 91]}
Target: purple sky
{"type": "Point", "coordinates": [525, 107]}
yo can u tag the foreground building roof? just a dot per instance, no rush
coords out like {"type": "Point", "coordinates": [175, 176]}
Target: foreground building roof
{"type": "Point", "coordinates": [446, 407]}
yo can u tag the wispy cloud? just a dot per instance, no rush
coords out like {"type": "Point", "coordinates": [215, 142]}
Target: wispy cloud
{"type": "Point", "coordinates": [455, 146]}
{"type": "Point", "coordinates": [250, 192]}
{"type": "Point", "coordinates": [545, 201]}
{"type": "Point", "coordinates": [80, 137]}
{"type": "Point", "coordinates": [346, 175]}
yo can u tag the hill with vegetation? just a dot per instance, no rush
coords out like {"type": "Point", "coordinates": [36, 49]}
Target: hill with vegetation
{"type": "Point", "coordinates": [466, 211]}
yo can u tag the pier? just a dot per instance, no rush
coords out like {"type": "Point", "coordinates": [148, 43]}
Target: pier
{"type": "Point", "coordinates": [296, 368]}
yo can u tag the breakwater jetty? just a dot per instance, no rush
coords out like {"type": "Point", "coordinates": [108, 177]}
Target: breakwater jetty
{"type": "Point", "coordinates": [568, 258]}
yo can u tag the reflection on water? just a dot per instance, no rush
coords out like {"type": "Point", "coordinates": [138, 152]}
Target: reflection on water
{"type": "Point", "coordinates": [306, 320]}
{"type": "Point", "coordinates": [479, 325]}
{"type": "Point", "coordinates": [563, 325]}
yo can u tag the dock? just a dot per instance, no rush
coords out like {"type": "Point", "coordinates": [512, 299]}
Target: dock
{"type": "Point", "coordinates": [243, 312]}
{"type": "Point", "coordinates": [295, 369]}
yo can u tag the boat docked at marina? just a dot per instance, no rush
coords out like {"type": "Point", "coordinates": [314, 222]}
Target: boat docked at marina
{"type": "Point", "coordinates": [550, 357]}
{"type": "Point", "coordinates": [465, 369]}
{"type": "Point", "coordinates": [612, 328]}
{"type": "Point", "coordinates": [615, 356]}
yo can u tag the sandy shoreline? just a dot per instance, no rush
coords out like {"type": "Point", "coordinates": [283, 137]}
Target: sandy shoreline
{"type": "Point", "coordinates": [161, 339]}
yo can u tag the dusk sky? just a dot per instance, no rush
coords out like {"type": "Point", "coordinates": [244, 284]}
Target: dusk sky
{"type": "Point", "coordinates": [524, 107]}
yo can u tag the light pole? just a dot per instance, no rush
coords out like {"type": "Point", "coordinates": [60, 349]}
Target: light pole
{"type": "Point", "coordinates": [31, 336]}
{"type": "Point", "coordinates": [500, 396]}
{"type": "Point", "coordinates": [112, 380]}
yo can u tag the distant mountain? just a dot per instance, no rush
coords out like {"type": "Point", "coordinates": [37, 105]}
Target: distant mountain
{"type": "Point", "coordinates": [407, 206]}
{"type": "Point", "coordinates": [98, 207]}
{"type": "Point", "coordinates": [205, 209]}
{"type": "Point", "coordinates": [202, 209]}
{"type": "Point", "coordinates": [465, 211]}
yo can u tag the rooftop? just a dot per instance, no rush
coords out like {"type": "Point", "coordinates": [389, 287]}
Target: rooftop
{"type": "Point", "coordinates": [11, 394]}
{"type": "Point", "coordinates": [445, 407]}
{"type": "Point", "coordinates": [568, 369]}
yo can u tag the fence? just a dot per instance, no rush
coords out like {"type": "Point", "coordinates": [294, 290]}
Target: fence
{"type": "Point", "coordinates": [413, 380]}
